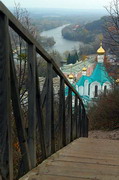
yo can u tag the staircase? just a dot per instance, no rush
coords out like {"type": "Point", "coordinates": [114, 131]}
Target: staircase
{"type": "Point", "coordinates": [84, 158]}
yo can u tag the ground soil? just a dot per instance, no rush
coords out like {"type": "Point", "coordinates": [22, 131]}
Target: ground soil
{"type": "Point", "coordinates": [99, 134]}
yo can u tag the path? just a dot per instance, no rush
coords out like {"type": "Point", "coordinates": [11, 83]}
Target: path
{"type": "Point", "coordinates": [85, 158]}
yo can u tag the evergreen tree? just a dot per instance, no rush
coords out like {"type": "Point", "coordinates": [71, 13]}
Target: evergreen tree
{"type": "Point", "coordinates": [75, 57]}
{"type": "Point", "coordinates": [72, 58]}
{"type": "Point", "coordinates": [69, 59]}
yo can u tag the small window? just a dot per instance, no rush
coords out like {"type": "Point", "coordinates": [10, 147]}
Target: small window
{"type": "Point", "coordinates": [96, 91]}
{"type": "Point", "coordinates": [105, 90]}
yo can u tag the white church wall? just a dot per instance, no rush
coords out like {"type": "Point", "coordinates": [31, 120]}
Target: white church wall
{"type": "Point", "coordinates": [84, 73]}
{"type": "Point", "coordinates": [108, 86]}
{"type": "Point", "coordinates": [77, 88]}
{"type": "Point", "coordinates": [81, 89]}
{"type": "Point", "coordinates": [71, 81]}
{"type": "Point", "coordinates": [92, 88]}
{"type": "Point", "coordinates": [100, 58]}
{"type": "Point", "coordinates": [86, 83]}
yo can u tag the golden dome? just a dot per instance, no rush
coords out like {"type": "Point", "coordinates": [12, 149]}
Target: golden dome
{"type": "Point", "coordinates": [84, 69]}
{"type": "Point", "coordinates": [117, 80]}
{"type": "Point", "coordinates": [71, 76]}
{"type": "Point", "coordinates": [101, 50]}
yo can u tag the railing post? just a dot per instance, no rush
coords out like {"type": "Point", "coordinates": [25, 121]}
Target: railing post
{"type": "Point", "coordinates": [69, 124]}
{"type": "Point", "coordinates": [75, 117]}
{"type": "Point", "coordinates": [85, 123]}
{"type": "Point", "coordinates": [6, 159]}
{"type": "Point", "coordinates": [32, 103]}
{"type": "Point", "coordinates": [62, 122]}
{"type": "Point", "coordinates": [49, 124]}
{"type": "Point", "coordinates": [79, 120]}
{"type": "Point", "coordinates": [26, 163]}
{"type": "Point", "coordinates": [40, 117]}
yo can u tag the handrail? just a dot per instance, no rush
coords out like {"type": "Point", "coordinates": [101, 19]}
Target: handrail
{"type": "Point", "coordinates": [72, 121]}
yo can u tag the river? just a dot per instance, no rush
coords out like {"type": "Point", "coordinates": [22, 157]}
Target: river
{"type": "Point", "coordinates": [61, 44]}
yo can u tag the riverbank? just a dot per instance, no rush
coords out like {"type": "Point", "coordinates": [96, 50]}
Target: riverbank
{"type": "Point", "coordinates": [61, 44]}
{"type": "Point", "coordinates": [99, 134]}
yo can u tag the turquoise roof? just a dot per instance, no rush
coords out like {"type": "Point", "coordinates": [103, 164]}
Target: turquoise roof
{"type": "Point", "coordinates": [82, 80]}
{"type": "Point", "coordinates": [99, 74]}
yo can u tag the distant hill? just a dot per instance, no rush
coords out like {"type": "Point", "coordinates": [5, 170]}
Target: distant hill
{"type": "Point", "coordinates": [86, 33]}
{"type": "Point", "coordinates": [96, 26]}
{"type": "Point", "coordinates": [47, 18]}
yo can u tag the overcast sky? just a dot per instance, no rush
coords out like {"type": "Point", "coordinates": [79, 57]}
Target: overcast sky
{"type": "Point", "coordinates": [75, 4]}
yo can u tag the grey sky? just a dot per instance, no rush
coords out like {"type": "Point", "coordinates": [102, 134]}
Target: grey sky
{"type": "Point", "coordinates": [78, 4]}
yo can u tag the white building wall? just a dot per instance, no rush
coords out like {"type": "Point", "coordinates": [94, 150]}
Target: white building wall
{"type": "Point", "coordinates": [108, 84]}
{"type": "Point", "coordinates": [77, 88]}
{"type": "Point", "coordinates": [81, 89]}
{"type": "Point", "coordinates": [86, 83]}
{"type": "Point", "coordinates": [84, 73]}
{"type": "Point", "coordinates": [71, 81]}
{"type": "Point", "coordinates": [100, 58]}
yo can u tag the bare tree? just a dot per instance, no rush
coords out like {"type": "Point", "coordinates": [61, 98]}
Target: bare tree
{"type": "Point", "coordinates": [20, 49]}
{"type": "Point", "coordinates": [111, 35]}
{"type": "Point", "coordinates": [23, 16]}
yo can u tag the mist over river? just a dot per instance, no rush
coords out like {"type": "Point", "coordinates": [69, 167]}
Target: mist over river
{"type": "Point", "coordinates": [61, 44]}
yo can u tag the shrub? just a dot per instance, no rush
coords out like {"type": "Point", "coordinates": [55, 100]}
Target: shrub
{"type": "Point", "coordinates": [104, 113]}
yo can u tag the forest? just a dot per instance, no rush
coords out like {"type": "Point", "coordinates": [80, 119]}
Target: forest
{"type": "Point", "coordinates": [85, 33]}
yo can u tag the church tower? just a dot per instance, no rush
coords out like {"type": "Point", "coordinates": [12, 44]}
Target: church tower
{"type": "Point", "coordinates": [101, 54]}
{"type": "Point", "coordinates": [84, 71]}
{"type": "Point", "coordinates": [90, 87]}
{"type": "Point", "coordinates": [71, 78]}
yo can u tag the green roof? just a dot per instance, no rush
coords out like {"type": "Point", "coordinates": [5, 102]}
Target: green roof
{"type": "Point", "coordinates": [99, 74]}
{"type": "Point", "coordinates": [81, 81]}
